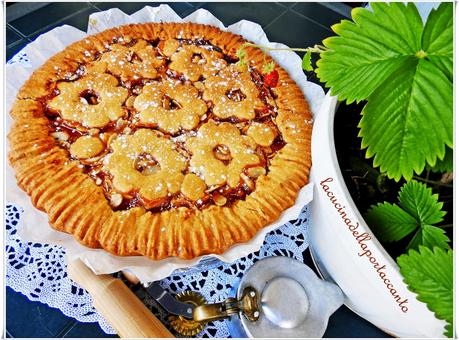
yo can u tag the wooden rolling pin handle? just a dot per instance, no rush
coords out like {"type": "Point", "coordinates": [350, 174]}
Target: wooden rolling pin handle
{"type": "Point", "coordinates": [118, 304]}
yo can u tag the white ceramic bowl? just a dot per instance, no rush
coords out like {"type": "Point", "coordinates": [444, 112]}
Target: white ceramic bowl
{"type": "Point", "coordinates": [346, 251]}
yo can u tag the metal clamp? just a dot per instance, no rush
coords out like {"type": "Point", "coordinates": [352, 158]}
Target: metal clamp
{"type": "Point", "coordinates": [248, 305]}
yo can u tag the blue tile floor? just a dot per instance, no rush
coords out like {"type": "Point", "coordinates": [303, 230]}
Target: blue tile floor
{"type": "Point", "coordinates": [43, 321]}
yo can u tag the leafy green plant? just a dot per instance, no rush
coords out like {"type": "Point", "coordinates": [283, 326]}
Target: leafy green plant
{"type": "Point", "coordinates": [418, 210]}
{"type": "Point", "coordinates": [429, 273]}
{"type": "Point", "coordinates": [427, 268]}
{"type": "Point", "coordinates": [404, 71]}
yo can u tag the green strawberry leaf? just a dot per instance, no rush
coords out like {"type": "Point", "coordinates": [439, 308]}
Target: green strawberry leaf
{"type": "Point", "coordinates": [445, 164]}
{"type": "Point", "coordinates": [429, 274]}
{"type": "Point", "coordinates": [444, 64]}
{"type": "Point", "coordinates": [430, 237]}
{"type": "Point", "coordinates": [416, 241]}
{"type": "Point", "coordinates": [437, 37]}
{"type": "Point", "coordinates": [438, 31]}
{"type": "Point", "coordinates": [417, 199]}
{"type": "Point", "coordinates": [434, 237]}
{"type": "Point", "coordinates": [418, 209]}
{"type": "Point", "coordinates": [405, 73]}
{"type": "Point", "coordinates": [306, 63]}
{"type": "Point", "coordinates": [390, 223]}
{"type": "Point", "coordinates": [449, 330]}
{"type": "Point", "coordinates": [367, 51]}
{"type": "Point", "coordinates": [408, 120]}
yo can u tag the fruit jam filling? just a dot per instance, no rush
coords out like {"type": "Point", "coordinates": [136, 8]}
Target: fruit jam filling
{"type": "Point", "coordinates": [166, 124]}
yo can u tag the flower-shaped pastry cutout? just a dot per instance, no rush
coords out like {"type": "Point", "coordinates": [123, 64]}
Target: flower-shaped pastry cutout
{"type": "Point", "coordinates": [194, 61]}
{"type": "Point", "coordinates": [146, 163]}
{"type": "Point", "coordinates": [92, 100]}
{"type": "Point", "coordinates": [170, 106]}
{"type": "Point", "coordinates": [221, 153]}
{"type": "Point", "coordinates": [134, 62]}
{"type": "Point", "coordinates": [262, 134]}
{"type": "Point", "coordinates": [233, 94]}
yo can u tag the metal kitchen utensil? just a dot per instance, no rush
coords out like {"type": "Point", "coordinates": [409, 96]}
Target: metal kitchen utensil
{"type": "Point", "coordinates": [277, 297]}
{"type": "Point", "coordinates": [169, 303]}
{"type": "Point", "coordinates": [188, 326]}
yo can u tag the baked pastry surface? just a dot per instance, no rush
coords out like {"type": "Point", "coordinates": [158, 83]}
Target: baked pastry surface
{"type": "Point", "coordinates": [153, 140]}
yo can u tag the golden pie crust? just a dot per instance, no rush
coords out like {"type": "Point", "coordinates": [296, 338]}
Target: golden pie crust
{"type": "Point", "coordinates": [152, 140]}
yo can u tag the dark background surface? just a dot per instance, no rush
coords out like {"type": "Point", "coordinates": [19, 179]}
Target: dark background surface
{"type": "Point", "coordinates": [294, 24]}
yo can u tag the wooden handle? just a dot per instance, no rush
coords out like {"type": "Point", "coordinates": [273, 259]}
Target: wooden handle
{"type": "Point", "coordinates": [118, 304]}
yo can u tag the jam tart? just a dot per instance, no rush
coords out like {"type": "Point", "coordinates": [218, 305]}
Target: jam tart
{"type": "Point", "coordinates": [151, 140]}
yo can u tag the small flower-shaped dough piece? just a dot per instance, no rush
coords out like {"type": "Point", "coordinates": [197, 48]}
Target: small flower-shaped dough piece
{"type": "Point", "coordinates": [132, 63]}
{"type": "Point", "coordinates": [92, 100]}
{"type": "Point", "coordinates": [170, 106]}
{"type": "Point", "coordinates": [86, 147]}
{"type": "Point", "coordinates": [193, 187]}
{"type": "Point", "coordinates": [169, 46]}
{"type": "Point", "coordinates": [262, 134]}
{"type": "Point", "coordinates": [152, 186]}
{"type": "Point", "coordinates": [218, 170]}
{"type": "Point", "coordinates": [233, 94]}
{"type": "Point", "coordinates": [194, 61]}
